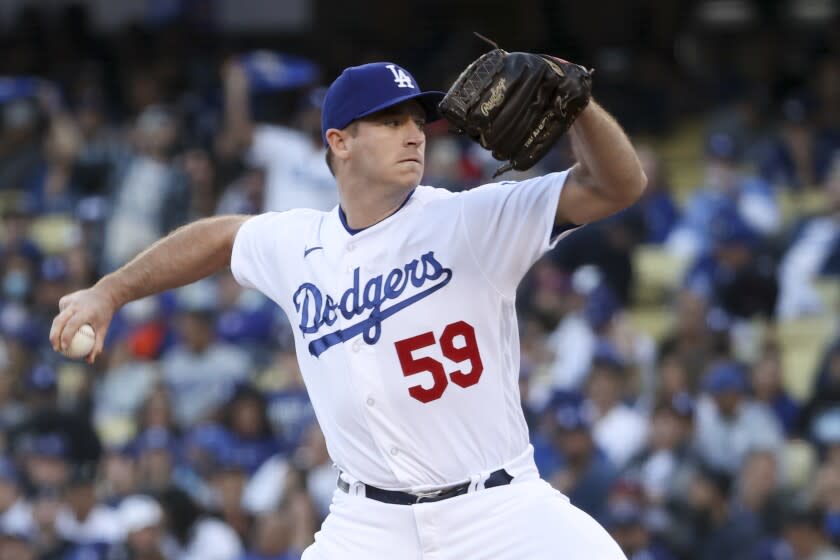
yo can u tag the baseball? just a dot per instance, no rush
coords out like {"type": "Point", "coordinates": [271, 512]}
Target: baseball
{"type": "Point", "coordinates": [82, 343]}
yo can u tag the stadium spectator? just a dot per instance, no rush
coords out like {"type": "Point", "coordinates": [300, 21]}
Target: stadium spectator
{"type": "Point", "coordinates": [199, 372]}
{"type": "Point", "coordinates": [297, 175]}
{"type": "Point", "coordinates": [813, 253]}
{"type": "Point", "coordinates": [803, 533]}
{"type": "Point", "coordinates": [731, 424]}
{"type": "Point", "coordinates": [724, 185]}
{"type": "Point", "coordinates": [585, 475]}
{"type": "Point", "coordinates": [618, 429]}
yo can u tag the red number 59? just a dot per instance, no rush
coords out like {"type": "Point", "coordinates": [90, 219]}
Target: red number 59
{"type": "Point", "coordinates": [463, 351]}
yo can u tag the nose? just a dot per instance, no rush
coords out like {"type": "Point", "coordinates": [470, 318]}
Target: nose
{"type": "Point", "coordinates": [415, 135]}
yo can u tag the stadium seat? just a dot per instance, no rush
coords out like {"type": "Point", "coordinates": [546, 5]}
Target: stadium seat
{"type": "Point", "coordinates": [658, 274]}
{"type": "Point", "coordinates": [798, 461]}
{"type": "Point", "coordinates": [653, 320]}
{"type": "Point", "coordinates": [803, 343]}
{"type": "Point", "coordinates": [54, 234]}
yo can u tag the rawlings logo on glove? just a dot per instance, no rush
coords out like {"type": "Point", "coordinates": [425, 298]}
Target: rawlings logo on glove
{"type": "Point", "coordinates": [517, 104]}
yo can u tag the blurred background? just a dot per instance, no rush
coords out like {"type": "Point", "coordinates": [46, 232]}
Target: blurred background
{"type": "Point", "coordinates": [680, 361]}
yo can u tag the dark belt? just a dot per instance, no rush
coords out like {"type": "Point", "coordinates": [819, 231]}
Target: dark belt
{"type": "Point", "coordinates": [497, 478]}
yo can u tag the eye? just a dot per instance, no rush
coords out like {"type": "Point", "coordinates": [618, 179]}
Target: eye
{"type": "Point", "coordinates": [421, 123]}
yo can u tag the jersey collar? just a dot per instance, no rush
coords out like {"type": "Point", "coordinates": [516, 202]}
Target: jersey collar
{"type": "Point", "coordinates": [351, 231]}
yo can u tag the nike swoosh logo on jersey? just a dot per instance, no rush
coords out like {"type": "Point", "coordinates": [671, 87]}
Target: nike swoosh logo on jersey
{"type": "Point", "coordinates": [317, 310]}
{"type": "Point", "coordinates": [309, 250]}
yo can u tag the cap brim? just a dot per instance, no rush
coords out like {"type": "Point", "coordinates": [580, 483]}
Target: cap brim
{"type": "Point", "coordinates": [428, 100]}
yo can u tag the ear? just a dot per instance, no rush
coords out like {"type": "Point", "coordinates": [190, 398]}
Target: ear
{"type": "Point", "coordinates": [337, 139]}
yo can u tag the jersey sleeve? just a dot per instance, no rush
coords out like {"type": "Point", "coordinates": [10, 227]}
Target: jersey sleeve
{"type": "Point", "coordinates": [509, 226]}
{"type": "Point", "coordinates": [255, 255]}
{"type": "Point", "coordinates": [270, 144]}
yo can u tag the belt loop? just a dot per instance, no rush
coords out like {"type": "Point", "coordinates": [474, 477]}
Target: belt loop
{"type": "Point", "coordinates": [358, 489]}
{"type": "Point", "coordinates": [477, 482]}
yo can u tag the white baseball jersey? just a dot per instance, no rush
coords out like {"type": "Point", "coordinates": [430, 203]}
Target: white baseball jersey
{"type": "Point", "coordinates": [406, 331]}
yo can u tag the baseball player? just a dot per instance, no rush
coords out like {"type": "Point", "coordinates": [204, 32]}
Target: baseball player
{"type": "Point", "coordinates": [402, 302]}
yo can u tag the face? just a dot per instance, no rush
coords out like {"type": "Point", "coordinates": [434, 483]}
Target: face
{"type": "Point", "coordinates": [388, 147]}
{"type": "Point", "coordinates": [575, 444]}
{"type": "Point", "coordinates": [155, 468]}
{"type": "Point", "coordinates": [727, 402]}
{"type": "Point", "coordinates": [47, 471]}
{"type": "Point", "coordinates": [702, 494]}
{"type": "Point", "coordinates": [758, 476]}
{"type": "Point", "coordinates": [146, 541]}
{"type": "Point", "coordinates": [666, 430]}
{"type": "Point", "coordinates": [674, 377]}
{"type": "Point", "coordinates": [228, 486]}
{"type": "Point", "coordinates": [273, 534]}
{"type": "Point", "coordinates": [722, 176]}
{"type": "Point", "coordinates": [120, 473]}
{"type": "Point", "coordinates": [691, 313]}
{"type": "Point", "coordinates": [8, 494]}
{"type": "Point", "coordinates": [604, 388]}
{"type": "Point", "coordinates": [45, 509]}
{"type": "Point", "coordinates": [15, 549]}
{"type": "Point", "coordinates": [631, 538]}
{"type": "Point", "coordinates": [81, 498]}
{"type": "Point", "coordinates": [247, 418]}
{"type": "Point", "coordinates": [157, 412]}
{"type": "Point", "coordinates": [766, 377]}
{"type": "Point", "coordinates": [196, 331]}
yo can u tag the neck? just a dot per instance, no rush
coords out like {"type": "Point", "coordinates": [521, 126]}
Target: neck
{"type": "Point", "coordinates": [82, 511]}
{"type": "Point", "coordinates": [366, 204]}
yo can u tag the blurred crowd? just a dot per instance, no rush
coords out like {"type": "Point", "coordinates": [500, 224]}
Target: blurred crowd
{"type": "Point", "coordinates": [192, 437]}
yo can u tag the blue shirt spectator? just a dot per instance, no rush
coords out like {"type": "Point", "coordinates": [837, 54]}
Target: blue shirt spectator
{"type": "Point", "coordinates": [584, 474]}
{"type": "Point", "coordinates": [800, 154]}
{"type": "Point", "coordinates": [725, 185]}
{"type": "Point", "coordinates": [735, 275]}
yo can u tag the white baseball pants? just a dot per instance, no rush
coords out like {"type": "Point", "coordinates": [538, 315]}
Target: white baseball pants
{"type": "Point", "coordinates": [524, 520]}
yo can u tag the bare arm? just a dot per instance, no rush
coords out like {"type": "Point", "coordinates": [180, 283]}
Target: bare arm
{"type": "Point", "coordinates": [238, 132]}
{"type": "Point", "coordinates": [188, 254]}
{"type": "Point", "coordinates": [607, 176]}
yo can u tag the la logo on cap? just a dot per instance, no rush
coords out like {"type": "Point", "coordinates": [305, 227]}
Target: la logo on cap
{"type": "Point", "coordinates": [401, 78]}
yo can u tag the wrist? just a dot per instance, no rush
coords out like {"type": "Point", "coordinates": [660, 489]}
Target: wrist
{"type": "Point", "coordinates": [109, 288]}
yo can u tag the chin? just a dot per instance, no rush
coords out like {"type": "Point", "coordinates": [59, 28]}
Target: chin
{"type": "Point", "coordinates": [408, 180]}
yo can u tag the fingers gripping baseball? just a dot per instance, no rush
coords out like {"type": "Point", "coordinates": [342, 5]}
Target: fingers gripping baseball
{"type": "Point", "coordinates": [79, 308]}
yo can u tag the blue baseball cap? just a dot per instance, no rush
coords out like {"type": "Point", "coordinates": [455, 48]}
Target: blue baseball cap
{"type": "Point", "coordinates": [43, 377]}
{"type": "Point", "coordinates": [574, 416]}
{"type": "Point", "coordinates": [722, 146]}
{"type": "Point", "coordinates": [155, 439]}
{"type": "Point", "coordinates": [54, 269]}
{"type": "Point", "coordinates": [726, 377]}
{"type": "Point", "coordinates": [727, 227]}
{"type": "Point", "coordinates": [683, 404]}
{"type": "Point", "coordinates": [8, 472]}
{"type": "Point", "coordinates": [363, 90]}
{"type": "Point", "coordinates": [51, 445]}
{"type": "Point", "coordinates": [624, 513]}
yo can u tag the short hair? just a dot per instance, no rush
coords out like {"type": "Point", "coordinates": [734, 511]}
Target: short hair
{"type": "Point", "coordinates": [328, 157]}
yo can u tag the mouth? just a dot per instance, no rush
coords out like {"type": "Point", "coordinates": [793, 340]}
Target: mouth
{"type": "Point", "coordinates": [412, 160]}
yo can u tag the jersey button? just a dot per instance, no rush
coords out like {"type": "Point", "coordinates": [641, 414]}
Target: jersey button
{"type": "Point", "coordinates": [370, 401]}
{"type": "Point", "coordinates": [394, 451]}
{"type": "Point", "coordinates": [357, 345]}
{"type": "Point", "coordinates": [351, 246]}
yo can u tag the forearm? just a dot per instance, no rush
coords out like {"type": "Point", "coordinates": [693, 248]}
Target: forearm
{"type": "Point", "coordinates": [606, 156]}
{"type": "Point", "coordinates": [238, 126]}
{"type": "Point", "coordinates": [186, 255]}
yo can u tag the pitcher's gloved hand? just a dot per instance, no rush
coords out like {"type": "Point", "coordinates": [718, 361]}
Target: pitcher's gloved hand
{"type": "Point", "coordinates": [517, 104]}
